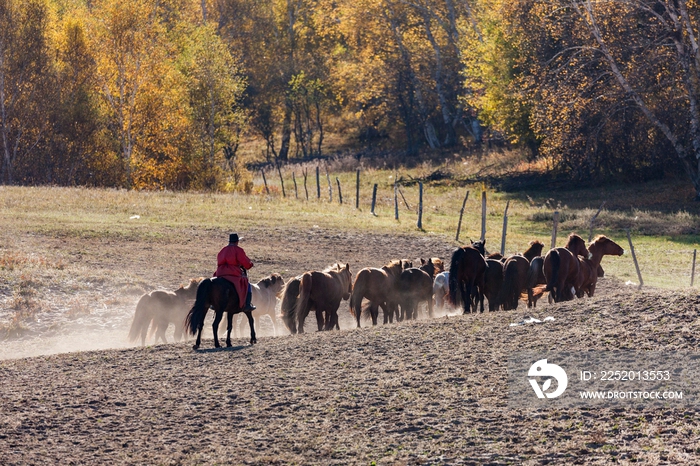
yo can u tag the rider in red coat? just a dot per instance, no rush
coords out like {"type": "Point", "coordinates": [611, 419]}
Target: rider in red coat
{"type": "Point", "coordinates": [232, 263]}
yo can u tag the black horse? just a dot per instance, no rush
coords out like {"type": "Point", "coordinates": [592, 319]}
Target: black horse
{"type": "Point", "coordinates": [221, 295]}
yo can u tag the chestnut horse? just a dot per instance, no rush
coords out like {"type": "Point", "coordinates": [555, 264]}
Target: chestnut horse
{"type": "Point", "coordinates": [467, 275]}
{"type": "Point", "coordinates": [221, 295]}
{"type": "Point", "coordinates": [414, 286]}
{"type": "Point", "coordinates": [376, 285]}
{"type": "Point", "coordinates": [561, 268]}
{"type": "Point", "coordinates": [515, 271]}
{"type": "Point", "coordinates": [321, 291]}
{"type": "Point", "coordinates": [590, 268]}
{"type": "Point", "coordinates": [515, 275]}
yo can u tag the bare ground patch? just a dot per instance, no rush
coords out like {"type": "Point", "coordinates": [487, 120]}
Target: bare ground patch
{"type": "Point", "coordinates": [430, 391]}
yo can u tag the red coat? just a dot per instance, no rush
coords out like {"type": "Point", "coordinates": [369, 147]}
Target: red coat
{"type": "Point", "coordinates": [229, 263]}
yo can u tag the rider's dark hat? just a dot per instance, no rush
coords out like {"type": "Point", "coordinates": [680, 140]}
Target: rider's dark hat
{"type": "Point", "coordinates": [233, 238]}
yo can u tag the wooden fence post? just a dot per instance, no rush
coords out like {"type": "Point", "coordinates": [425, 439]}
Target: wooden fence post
{"type": "Point", "coordinates": [330, 189]}
{"type": "Point", "coordinates": [555, 226]}
{"type": "Point", "coordinates": [279, 170]}
{"type": "Point", "coordinates": [265, 180]}
{"type": "Point", "coordinates": [692, 273]}
{"type": "Point", "coordinates": [296, 191]}
{"type": "Point", "coordinates": [590, 225]}
{"type": "Point", "coordinates": [340, 193]}
{"type": "Point", "coordinates": [306, 173]}
{"type": "Point", "coordinates": [419, 224]}
{"type": "Point", "coordinates": [483, 215]}
{"type": "Point", "coordinates": [318, 184]}
{"type": "Point", "coordinates": [461, 214]}
{"type": "Point", "coordinates": [357, 190]}
{"type": "Point", "coordinates": [374, 198]}
{"type": "Point", "coordinates": [634, 258]}
{"type": "Point", "coordinates": [505, 227]}
{"type": "Point", "coordinates": [396, 201]}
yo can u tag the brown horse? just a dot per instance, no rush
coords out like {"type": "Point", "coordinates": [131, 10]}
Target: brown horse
{"type": "Point", "coordinates": [590, 268]}
{"type": "Point", "coordinates": [163, 308]}
{"type": "Point", "coordinates": [414, 286]}
{"type": "Point", "coordinates": [515, 271]}
{"type": "Point", "coordinates": [221, 295]}
{"type": "Point", "coordinates": [515, 275]}
{"type": "Point", "coordinates": [376, 285]}
{"type": "Point", "coordinates": [467, 275]}
{"type": "Point", "coordinates": [561, 268]}
{"type": "Point", "coordinates": [493, 282]}
{"type": "Point", "coordinates": [321, 291]}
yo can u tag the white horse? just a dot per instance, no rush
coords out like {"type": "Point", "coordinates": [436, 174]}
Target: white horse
{"type": "Point", "coordinates": [441, 290]}
{"type": "Point", "coordinates": [264, 298]}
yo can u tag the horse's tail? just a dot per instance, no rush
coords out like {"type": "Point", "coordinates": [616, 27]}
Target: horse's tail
{"type": "Point", "coordinates": [304, 294]}
{"type": "Point", "coordinates": [289, 300]}
{"type": "Point", "coordinates": [533, 272]}
{"type": "Point", "coordinates": [455, 263]}
{"type": "Point", "coordinates": [556, 263]}
{"type": "Point", "coordinates": [142, 319]}
{"type": "Point", "coordinates": [537, 292]}
{"type": "Point", "coordinates": [195, 317]}
{"type": "Point", "coordinates": [358, 292]}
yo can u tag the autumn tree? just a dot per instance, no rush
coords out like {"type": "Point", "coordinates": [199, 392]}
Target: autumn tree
{"type": "Point", "coordinates": [215, 89]}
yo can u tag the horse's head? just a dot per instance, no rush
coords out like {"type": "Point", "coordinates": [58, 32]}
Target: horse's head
{"type": "Point", "coordinates": [577, 245]}
{"type": "Point", "coordinates": [479, 246]}
{"type": "Point", "coordinates": [605, 247]}
{"type": "Point", "coordinates": [439, 265]}
{"type": "Point", "coordinates": [346, 279]}
{"type": "Point", "coordinates": [535, 249]}
{"type": "Point", "coordinates": [428, 267]}
{"type": "Point", "coordinates": [274, 283]}
{"type": "Point", "coordinates": [189, 291]}
{"type": "Point", "coordinates": [394, 267]}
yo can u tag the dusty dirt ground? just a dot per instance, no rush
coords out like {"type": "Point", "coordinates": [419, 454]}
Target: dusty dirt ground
{"type": "Point", "coordinates": [423, 392]}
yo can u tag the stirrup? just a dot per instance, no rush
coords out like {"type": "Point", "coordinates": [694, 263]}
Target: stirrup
{"type": "Point", "coordinates": [249, 308]}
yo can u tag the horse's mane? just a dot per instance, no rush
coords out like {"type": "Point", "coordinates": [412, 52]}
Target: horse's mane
{"type": "Point", "coordinates": [573, 236]}
{"type": "Point", "coordinates": [600, 238]}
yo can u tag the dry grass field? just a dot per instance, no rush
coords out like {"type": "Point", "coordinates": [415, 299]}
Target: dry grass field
{"type": "Point", "coordinates": [73, 263]}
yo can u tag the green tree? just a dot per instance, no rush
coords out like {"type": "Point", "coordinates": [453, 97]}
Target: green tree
{"type": "Point", "coordinates": [25, 81]}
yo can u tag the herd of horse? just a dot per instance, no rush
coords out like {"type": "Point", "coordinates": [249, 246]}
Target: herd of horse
{"type": "Point", "coordinates": [397, 288]}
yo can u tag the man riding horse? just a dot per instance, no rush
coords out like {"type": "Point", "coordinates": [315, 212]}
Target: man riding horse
{"type": "Point", "coordinates": [232, 264]}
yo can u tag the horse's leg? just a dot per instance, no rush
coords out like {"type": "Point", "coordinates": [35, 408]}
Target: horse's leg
{"type": "Point", "coordinates": [160, 333]}
{"type": "Point", "coordinates": [251, 323]}
{"type": "Point", "coordinates": [430, 307]}
{"type": "Point", "coordinates": [215, 327]}
{"type": "Point", "coordinates": [374, 312]}
{"type": "Point", "coordinates": [320, 320]}
{"type": "Point", "coordinates": [229, 327]}
{"type": "Point", "coordinates": [199, 334]}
